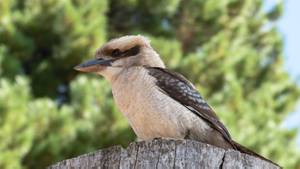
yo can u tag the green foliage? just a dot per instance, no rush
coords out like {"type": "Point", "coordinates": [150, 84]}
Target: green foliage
{"type": "Point", "coordinates": [15, 124]}
{"type": "Point", "coordinates": [50, 37]}
{"type": "Point", "coordinates": [229, 49]}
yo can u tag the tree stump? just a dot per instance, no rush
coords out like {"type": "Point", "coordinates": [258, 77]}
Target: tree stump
{"type": "Point", "coordinates": [164, 154]}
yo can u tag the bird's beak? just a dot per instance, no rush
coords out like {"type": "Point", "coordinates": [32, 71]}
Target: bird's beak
{"type": "Point", "coordinates": [93, 65]}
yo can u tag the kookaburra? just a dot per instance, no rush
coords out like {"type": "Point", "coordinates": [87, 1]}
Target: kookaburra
{"type": "Point", "coordinates": [156, 101]}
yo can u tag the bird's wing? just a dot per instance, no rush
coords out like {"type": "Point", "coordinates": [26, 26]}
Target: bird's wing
{"type": "Point", "coordinates": [181, 90]}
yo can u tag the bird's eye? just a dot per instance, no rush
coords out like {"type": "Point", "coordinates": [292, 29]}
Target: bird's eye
{"type": "Point", "coordinates": [116, 53]}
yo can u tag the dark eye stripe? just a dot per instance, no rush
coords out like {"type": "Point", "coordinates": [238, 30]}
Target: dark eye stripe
{"type": "Point", "coordinates": [116, 53]}
{"type": "Point", "coordinates": [132, 51]}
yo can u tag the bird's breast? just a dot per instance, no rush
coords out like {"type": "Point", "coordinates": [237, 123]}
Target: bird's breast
{"type": "Point", "coordinates": [150, 112]}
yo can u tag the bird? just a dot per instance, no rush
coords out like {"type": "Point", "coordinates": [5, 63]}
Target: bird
{"type": "Point", "coordinates": [157, 102]}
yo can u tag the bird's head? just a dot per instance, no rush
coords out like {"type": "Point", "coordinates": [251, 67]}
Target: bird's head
{"type": "Point", "coordinates": [122, 53]}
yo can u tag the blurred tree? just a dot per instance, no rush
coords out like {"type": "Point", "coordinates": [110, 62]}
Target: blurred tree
{"type": "Point", "coordinates": [230, 49]}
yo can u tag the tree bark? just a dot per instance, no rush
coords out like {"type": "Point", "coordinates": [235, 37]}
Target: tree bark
{"type": "Point", "coordinates": [164, 154]}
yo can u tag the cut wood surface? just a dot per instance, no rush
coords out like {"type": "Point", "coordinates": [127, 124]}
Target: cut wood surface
{"type": "Point", "coordinates": [164, 154]}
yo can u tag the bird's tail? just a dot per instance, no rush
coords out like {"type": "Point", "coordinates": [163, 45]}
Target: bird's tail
{"type": "Point", "coordinates": [245, 150]}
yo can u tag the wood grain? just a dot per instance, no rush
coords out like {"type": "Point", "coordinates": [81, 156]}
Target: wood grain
{"type": "Point", "coordinates": [164, 154]}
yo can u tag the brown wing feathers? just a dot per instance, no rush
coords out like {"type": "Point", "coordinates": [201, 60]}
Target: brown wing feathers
{"type": "Point", "coordinates": [181, 90]}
